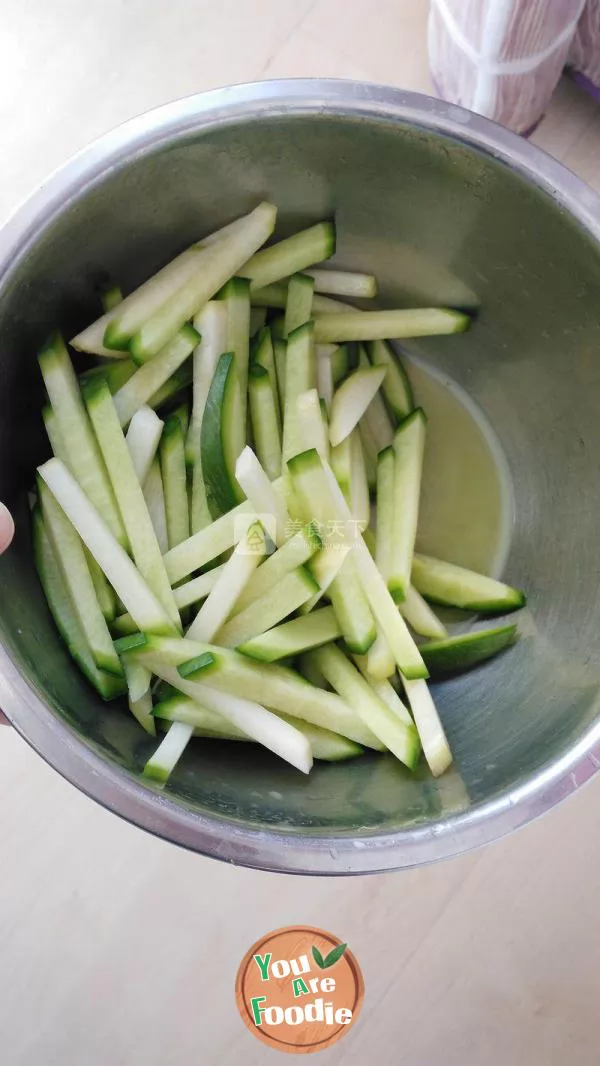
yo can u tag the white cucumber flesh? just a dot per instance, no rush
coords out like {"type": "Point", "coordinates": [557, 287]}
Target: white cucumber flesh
{"type": "Point", "coordinates": [381, 325]}
{"type": "Point", "coordinates": [351, 400]}
{"type": "Point", "coordinates": [401, 739]}
{"type": "Point", "coordinates": [259, 490]}
{"type": "Point", "coordinates": [231, 581]}
{"type": "Point", "coordinates": [292, 638]}
{"type": "Point", "coordinates": [455, 586]}
{"type": "Point", "coordinates": [267, 611]}
{"type": "Point", "coordinates": [140, 388]}
{"type": "Point", "coordinates": [129, 585]}
{"type": "Point", "coordinates": [290, 256]}
{"type": "Point", "coordinates": [130, 498]}
{"type": "Point", "coordinates": [143, 437]}
{"type": "Point", "coordinates": [409, 450]}
{"type": "Point", "coordinates": [215, 264]}
{"type": "Point", "coordinates": [173, 470]}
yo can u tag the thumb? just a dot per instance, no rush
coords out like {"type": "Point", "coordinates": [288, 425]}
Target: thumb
{"type": "Point", "coordinates": [7, 528]}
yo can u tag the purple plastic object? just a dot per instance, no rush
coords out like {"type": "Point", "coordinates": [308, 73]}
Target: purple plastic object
{"type": "Point", "coordinates": [503, 58]}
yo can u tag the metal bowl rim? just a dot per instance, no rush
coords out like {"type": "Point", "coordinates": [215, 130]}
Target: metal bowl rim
{"type": "Point", "coordinates": [51, 737]}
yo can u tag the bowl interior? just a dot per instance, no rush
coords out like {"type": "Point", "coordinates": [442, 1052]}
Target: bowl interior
{"type": "Point", "coordinates": [438, 223]}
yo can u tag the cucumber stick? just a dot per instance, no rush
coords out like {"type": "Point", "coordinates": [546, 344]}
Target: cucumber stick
{"type": "Point", "coordinates": [340, 361]}
{"type": "Point", "coordinates": [376, 415]}
{"type": "Point", "coordinates": [311, 673]}
{"type": "Point", "coordinates": [454, 586]}
{"type": "Point", "coordinates": [135, 308]}
{"type": "Point", "coordinates": [380, 325]}
{"type": "Point", "coordinates": [180, 708]}
{"type": "Point", "coordinates": [81, 448]}
{"type": "Point", "coordinates": [115, 373]}
{"type": "Point", "coordinates": [70, 557]}
{"type": "Point", "coordinates": [312, 423]}
{"type": "Point", "coordinates": [252, 718]}
{"type": "Point", "coordinates": [409, 449]}
{"type": "Point", "coordinates": [211, 325]}
{"type": "Point", "coordinates": [196, 589]}
{"type": "Point", "coordinates": [280, 356]}
{"type": "Point", "coordinates": [111, 298]}
{"type": "Point", "coordinates": [200, 512]}
{"type": "Point", "coordinates": [385, 512]}
{"type": "Point", "coordinates": [277, 686]}
{"type": "Point", "coordinates": [142, 387]}
{"type": "Point", "coordinates": [384, 689]}
{"type": "Point", "coordinates": [207, 544]}
{"type": "Point", "coordinates": [325, 745]}
{"type": "Point", "coordinates": [137, 598]}
{"type": "Point", "coordinates": [341, 464]}
{"type": "Point", "coordinates": [345, 590]}
{"type": "Point", "coordinates": [325, 567]}
{"type": "Point", "coordinates": [399, 737]}
{"type": "Point", "coordinates": [161, 764]}
{"type": "Point", "coordinates": [316, 485]}
{"type": "Point", "coordinates": [466, 650]}
{"type": "Point", "coordinates": [352, 608]}
{"type": "Point", "coordinates": [154, 496]}
{"type": "Point", "coordinates": [264, 356]}
{"type": "Point", "coordinates": [172, 387]}
{"type": "Point", "coordinates": [130, 498]}
{"type": "Point", "coordinates": [370, 454]}
{"type": "Point", "coordinates": [360, 503]}
{"type": "Point", "coordinates": [352, 399]}
{"type": "Point", "coordinates": [218, 443]}
{"type": "Point", "coordinates": [323, 354]}
{"type": "Point", "coordinates": [292, 638]}
{"type": "Point", "coordinates": [275, 296]}
{"type": "Point", "coordinates": [300, 375]}
{"type": "Point", "coordinates": [236, 296]}
{"type": "Point", "coordinates": [344, 283]}
{"type": "Point", "coordinates": [263, 497]}
{"type": "Point", "coordinates": [427, 720]}
{"type": "Point", "coordinates": [294, 553]}
{"type": "Point", "coordinates": [298, 307]}
{"type": "Point", "coordinates": [380, 661]}
{"type": "Point", "coordinates": [290, 256]}
{"type": "Point", "coordinates": [185, 595]}
{"type": "Point", "coordinates": [420, 617]}
{"type": "Point", "coordinates": [140, 702]}
{"type": "Point", "coordinates": [104, 593]}
{"type": "Point", "coordinates": [231, 581]}
{"type": "Point", "coordinates": [63, 611]}
{"type": "Point", "coordinates": [138, 679]}
{"type": "Point", "coordinates": [396, 385]}
{"type": "Point", "coordinates": [216, 264]}
{"type": "Point", "coordinates": [267, 611]}
{"type": "Point", "coordinates": [264, 406]}
{"type": "Point", "coordinates": [172, 465]}
{"type": "Point", "coordinates": [143, 436]}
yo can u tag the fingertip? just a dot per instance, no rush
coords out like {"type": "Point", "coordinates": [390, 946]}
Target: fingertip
{"type": "Point", "coordinates": [7, 527]}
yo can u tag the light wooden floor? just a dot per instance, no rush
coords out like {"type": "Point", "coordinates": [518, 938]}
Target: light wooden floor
{"type": "Point", "coordinates": [119, 950]}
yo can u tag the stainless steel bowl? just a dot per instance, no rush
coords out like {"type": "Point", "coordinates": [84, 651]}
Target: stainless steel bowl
{"type": "Point", "coordinates": [444, 207]}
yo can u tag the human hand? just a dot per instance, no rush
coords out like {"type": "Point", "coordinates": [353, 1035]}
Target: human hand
{"type": "Point", "coordinates": [7, 530]}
